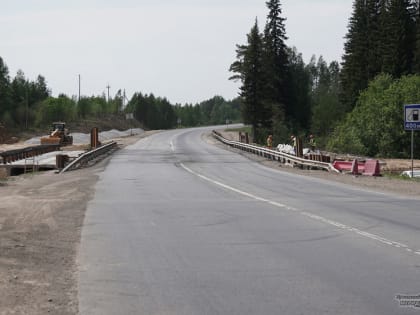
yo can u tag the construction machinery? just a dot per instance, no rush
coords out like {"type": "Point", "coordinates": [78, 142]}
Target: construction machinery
{"type": "Point", "coordinates": [59, 135]}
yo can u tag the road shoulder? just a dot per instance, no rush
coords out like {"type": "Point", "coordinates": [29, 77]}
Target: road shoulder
{"type": "Point", "coordinates": [41, 218]}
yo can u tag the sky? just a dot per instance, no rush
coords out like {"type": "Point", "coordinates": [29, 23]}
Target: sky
{"type": "Point", "coordinates": [178, 49]}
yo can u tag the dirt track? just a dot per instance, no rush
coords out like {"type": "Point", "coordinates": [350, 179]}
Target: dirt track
{"type": "Point", "coordinates": [40, 223]}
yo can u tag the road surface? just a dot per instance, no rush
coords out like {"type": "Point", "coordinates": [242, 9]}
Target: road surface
{"type": "Point", "coordinates": [179, 225]}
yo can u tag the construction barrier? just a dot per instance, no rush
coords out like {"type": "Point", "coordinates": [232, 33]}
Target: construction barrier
{"type": "Point", "coordinates": [372, 168]}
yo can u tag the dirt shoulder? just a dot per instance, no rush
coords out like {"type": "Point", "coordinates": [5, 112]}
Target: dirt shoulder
{"type": "Point", "coordinates": [41, 217]}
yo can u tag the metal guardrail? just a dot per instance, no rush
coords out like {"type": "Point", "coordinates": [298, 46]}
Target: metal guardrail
{"type": "Point", "coordinates": [89, 156]}
{"type": "Point", "coordinates": [20, 154]}
{"type": "Point", "coordinates": [274, 155]}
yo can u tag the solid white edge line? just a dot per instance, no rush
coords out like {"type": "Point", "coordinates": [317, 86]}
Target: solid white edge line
{"type": "Point", "coordinates": [306, 214]}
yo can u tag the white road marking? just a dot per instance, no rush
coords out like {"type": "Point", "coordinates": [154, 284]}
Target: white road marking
{"type": "Point", "coordinates": [307, 214]}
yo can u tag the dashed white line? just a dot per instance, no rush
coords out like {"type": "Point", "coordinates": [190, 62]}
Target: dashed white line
{"type": "Point", "coordinates": [307, 214]}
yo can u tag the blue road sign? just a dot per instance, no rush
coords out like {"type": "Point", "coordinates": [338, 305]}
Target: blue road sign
{"type": "Point", "coordinates": [412, 117]}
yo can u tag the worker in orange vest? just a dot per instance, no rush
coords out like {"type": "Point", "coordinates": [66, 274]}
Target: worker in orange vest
{"type": "Point", "coordinates": [270, 141]}
{"type": "Point", "coordinates": [312, 143]}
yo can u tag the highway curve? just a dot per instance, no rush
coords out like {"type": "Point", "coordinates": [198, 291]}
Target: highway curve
{"type": "Point", "coordinates": [179, 225]}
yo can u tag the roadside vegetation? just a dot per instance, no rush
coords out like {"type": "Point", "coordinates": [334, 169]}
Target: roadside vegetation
{"type": "Point", "coordinates": [355, 106]}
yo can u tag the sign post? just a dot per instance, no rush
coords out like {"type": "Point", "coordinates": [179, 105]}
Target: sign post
{"type": "Point", "coordinates": [412, 122]}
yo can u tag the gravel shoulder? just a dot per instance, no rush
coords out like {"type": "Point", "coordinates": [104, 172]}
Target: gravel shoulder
{"type": "Point", "coordinates": [41, 218]}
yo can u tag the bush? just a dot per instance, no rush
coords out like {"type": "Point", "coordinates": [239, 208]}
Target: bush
{"type": "Point", "coordinates": [56, 109]}
{"type": "Point", "coordinates": [376, 126]}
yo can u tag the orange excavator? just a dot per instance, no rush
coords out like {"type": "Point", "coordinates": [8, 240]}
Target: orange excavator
{"type": "Point", "coordinates": [59, 135]}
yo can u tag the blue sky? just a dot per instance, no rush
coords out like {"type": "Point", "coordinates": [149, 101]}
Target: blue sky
{"type": "Point", "coordinates": [179, 49]}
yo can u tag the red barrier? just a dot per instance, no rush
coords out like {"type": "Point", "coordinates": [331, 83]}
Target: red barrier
{"type": "Point", "coordinates": [355, 167]}
{"type": "Point", "coordinates": [342, 165]}
{"type": "Point", "coordinates": [372, 168]}
{"type": "Point", "coordinates": [347, 166]}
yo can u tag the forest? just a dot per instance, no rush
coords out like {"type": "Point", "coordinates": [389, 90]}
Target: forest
{"type": "Point", "coordinates": [352, 105]}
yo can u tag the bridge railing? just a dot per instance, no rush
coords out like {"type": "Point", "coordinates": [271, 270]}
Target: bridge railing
{"type": "Point", "coordinates": [89, 156]}
{"type": "Point", "coordinates": [21, 154]}
{"type": "Point", "coordinates": [274, 155]}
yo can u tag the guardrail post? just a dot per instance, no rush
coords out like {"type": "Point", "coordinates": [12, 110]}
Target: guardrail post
{"type": "Point", "coordinates": [94, 138]}
{"type": "Point", "coordinates": [299, 147]}
{"type": "Point", "coordinates": [61, 160]}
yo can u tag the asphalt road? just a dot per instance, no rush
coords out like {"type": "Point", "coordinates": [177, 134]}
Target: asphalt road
{"type": "Point", "coordinates": [181, 226]}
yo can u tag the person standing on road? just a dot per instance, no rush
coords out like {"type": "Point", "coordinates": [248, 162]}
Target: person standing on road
{"type": "Point", "coordinates": [270, 142]}
{"type": "Point", "coordinates": [312, 143]}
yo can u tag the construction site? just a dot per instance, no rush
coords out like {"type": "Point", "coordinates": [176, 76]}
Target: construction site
{"type": "Point", "coordinates": [56, 150]}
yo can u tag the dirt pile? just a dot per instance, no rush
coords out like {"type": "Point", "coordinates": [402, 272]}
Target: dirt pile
{"type": "Point", "coordinates": [117, 122]}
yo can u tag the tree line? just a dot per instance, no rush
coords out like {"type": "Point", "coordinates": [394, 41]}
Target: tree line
{"type": "Point", "coordinates": [26, 104]}
{"type": "Point", "coordinates": [158, 113]}
{"type": "Point", "coordinates": [282, 95]}
{"type": "Point", "coordinates": [214, 111]}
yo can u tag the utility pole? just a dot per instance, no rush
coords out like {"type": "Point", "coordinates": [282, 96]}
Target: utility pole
{"type": "Point", "coordinates": [125, 97]}
{"type": "Point", "coordinates": [79, 88]}
{"type": "Point", "coordinates": [123, 100]}
{"type": "Point", "coordinates": [108, 87]}
{"type": "Point", "coordinates": [27, 108]}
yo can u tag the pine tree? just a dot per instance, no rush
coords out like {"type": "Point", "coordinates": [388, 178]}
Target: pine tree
{"type": "Point", "coordinates": [6, 102]}
{"type": "Point", "coordinates": [299, 93]}
{"type": "Point", "coordinates": [354, 74]}
{"type": "Point", "coordinates": [248, 68]}
{"type": "Point", "coordinates": [376, 26]}
{"type": "Point", "coordinates": [400, 38]}
{"type": "Point", "coordinates": [381, 38]}
{"type": "Point", "coordinates": [276, 63]}
{"type": "Point", "coordinates": [326, 108]}
{"type": "Point", "coordinates": [416, 67]}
